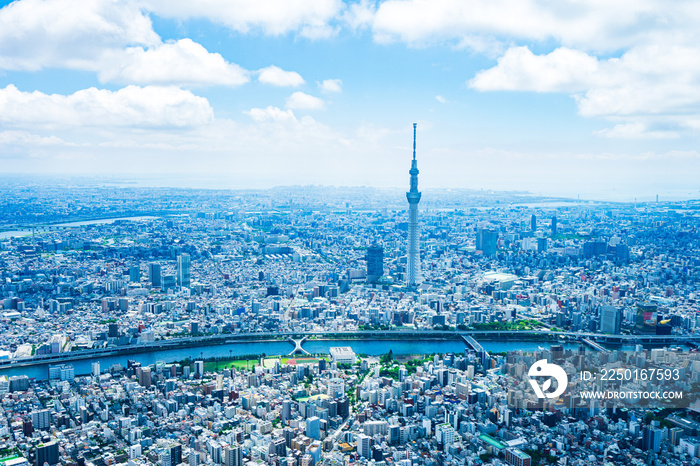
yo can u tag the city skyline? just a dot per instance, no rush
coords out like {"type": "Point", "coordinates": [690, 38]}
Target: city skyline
{"type": "Point", "coordinates": [575, 101]}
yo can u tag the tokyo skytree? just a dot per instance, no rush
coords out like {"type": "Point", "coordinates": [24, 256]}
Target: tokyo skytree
{"type": "Point", "coordinates": [413, 263]}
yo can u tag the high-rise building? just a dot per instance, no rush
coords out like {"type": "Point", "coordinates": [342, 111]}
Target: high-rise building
{"type": "Point", "coordinates": [610, 320]}
{"type": "Point", "coordinates": [533, 223]}
{"type": "Point", "coordinates": [144, 376]}
{"type": "Point", "coordinates": [541, 244]}
{"type": "Point", "coordinates": [364, 445]}
{"type": "Point", "coordinates": [62, 372]}
{"type": "Point", "coordinates": [313, 428]}
{"type": "Point", "coordinates": [517, 457]}
{"type": "Point", "coordinates": [413, 195]}
{"type": "Point", "coordinates": [41, 420]}
{"type": "Point", "coordinates": [233, 455]}
{"type": "Point", "coordinates": [554, 226]}
{"type": "Point", "coordinates": [135, 273]}
{"type": "Point", "coordinates": [651, 439]}
{"type": "Point", "coordinates": [336, 387]}
{"type": "Point", "coordinates": [286, 410]}
{"type": "Point", "coordinates": [445, 434]}
{"type": "Point", "coordinates": [154, 275]}
{"type": "Point", "coordinates": [134, 451]}
{"type": "Point", "coordinates": [375, 263]}
{"type": "Point", "coordinates": [47, 453]}
{"type": "Point", "coordinates": [19, 383]}
{"type": "Point", "coordinates": [278, 447]}
{"type": "Point", "coordinates": [175, 454]}
{"type": "Point", "coordinates": [183, 270]}
{"type": "Point", "coordinates": [646, 317]}
{"type": "Point", "coordinates": [487, 241]}
{"type": "Point", "coordinates": [674, 435]}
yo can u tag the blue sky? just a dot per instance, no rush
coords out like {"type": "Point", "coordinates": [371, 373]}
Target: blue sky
{"type": "Point", "coordinates": [599, 98]}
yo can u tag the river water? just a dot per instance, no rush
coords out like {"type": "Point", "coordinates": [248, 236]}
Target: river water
{"type": "Point", "coordinates": [102, 221]}
{"type": "Point", "coordinates": [274, 348]}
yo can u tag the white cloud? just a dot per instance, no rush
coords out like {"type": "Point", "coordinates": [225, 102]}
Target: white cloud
{"type": "Point", "coordinates": [309, 18]}
{"type": "Point", "coordinates": [646, 81]}
{"type": "Point", "coordinates": [635, 130]}
{"type": "Point", "coordinates": [36, 34]}
{"type": "Point", "coordinates": [440, 99]}
{"type": "Point", "coordinates": [302, 101]}
{"type": "Point", "coordinates": [278, 77]}
{"type": "Point", "coordinates": [114, 39]}
{"type": "Point", "coordinates": [619, 59]}
{"type": "Point", "coordinates": [131, 106]}
{"type": "Point", "coordinates": [183, 62]}
{"type": "Point", "coordinates": [331, 85]}
{"type": "Point", "coordinates": [563, 70]}
{"type": "Point", "coordinates": [271, 114]}
{"type": "Point", "coordinates": [25, 138]}
{"type": "Point", "coordinates": [360, 15]}
{"type": "Point", "coordinates": [592, 25]}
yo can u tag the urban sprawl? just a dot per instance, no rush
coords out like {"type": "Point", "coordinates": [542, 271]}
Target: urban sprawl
{"type": "Point", "coordinates": [293, 267]}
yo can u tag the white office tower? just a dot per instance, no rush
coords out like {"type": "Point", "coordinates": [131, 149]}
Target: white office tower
{"type": "Point", "coordinates": [413, 264]}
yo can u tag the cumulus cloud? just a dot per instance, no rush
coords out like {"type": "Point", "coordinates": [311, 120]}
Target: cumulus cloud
{"type": "Point", "coordinates": [331, 85]}
{"type": "Point", "coordinates": [133, 106]}
{"type": "Point", "coordinates": [563, 70]}
{"type": "Point", "coordinates": [302, 101]}
{"type": "Point", "coordinates": [309, 18]}
{"type": "Point", "coordinates": [278, 77]}
{"type": "Point", "coordinates": [114, 39]}
{"type": "Point", "coordinates": [644, 81]}
{"type": "Point", "coordinates": [36, 34]}
{"type": "Point", "coordinates": [183, 62]}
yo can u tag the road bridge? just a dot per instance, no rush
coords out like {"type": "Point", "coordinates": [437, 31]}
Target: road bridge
{"type": "Point", "coordinates": [594, 345]}
{"type": "Point", "coordinates": [470, 341]}
{"type": "Point", "coordinates": [297, 345]}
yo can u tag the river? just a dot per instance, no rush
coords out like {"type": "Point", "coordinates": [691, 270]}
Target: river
{"type": "Point", "coordinates": [275, 348]}
{"type": "Point", "coordinates": [102, 221]}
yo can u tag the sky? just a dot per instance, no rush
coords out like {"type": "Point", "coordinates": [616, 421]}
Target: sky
{"type": "Point", "coordinates": [592, 98]}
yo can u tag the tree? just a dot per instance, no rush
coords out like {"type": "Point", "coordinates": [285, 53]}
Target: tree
{"type": "Point", "coordinates": [387, 358]}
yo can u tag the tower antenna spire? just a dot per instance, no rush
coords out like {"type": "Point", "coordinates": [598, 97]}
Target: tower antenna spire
{"type": "Point", "coordinates": [414, 140]}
